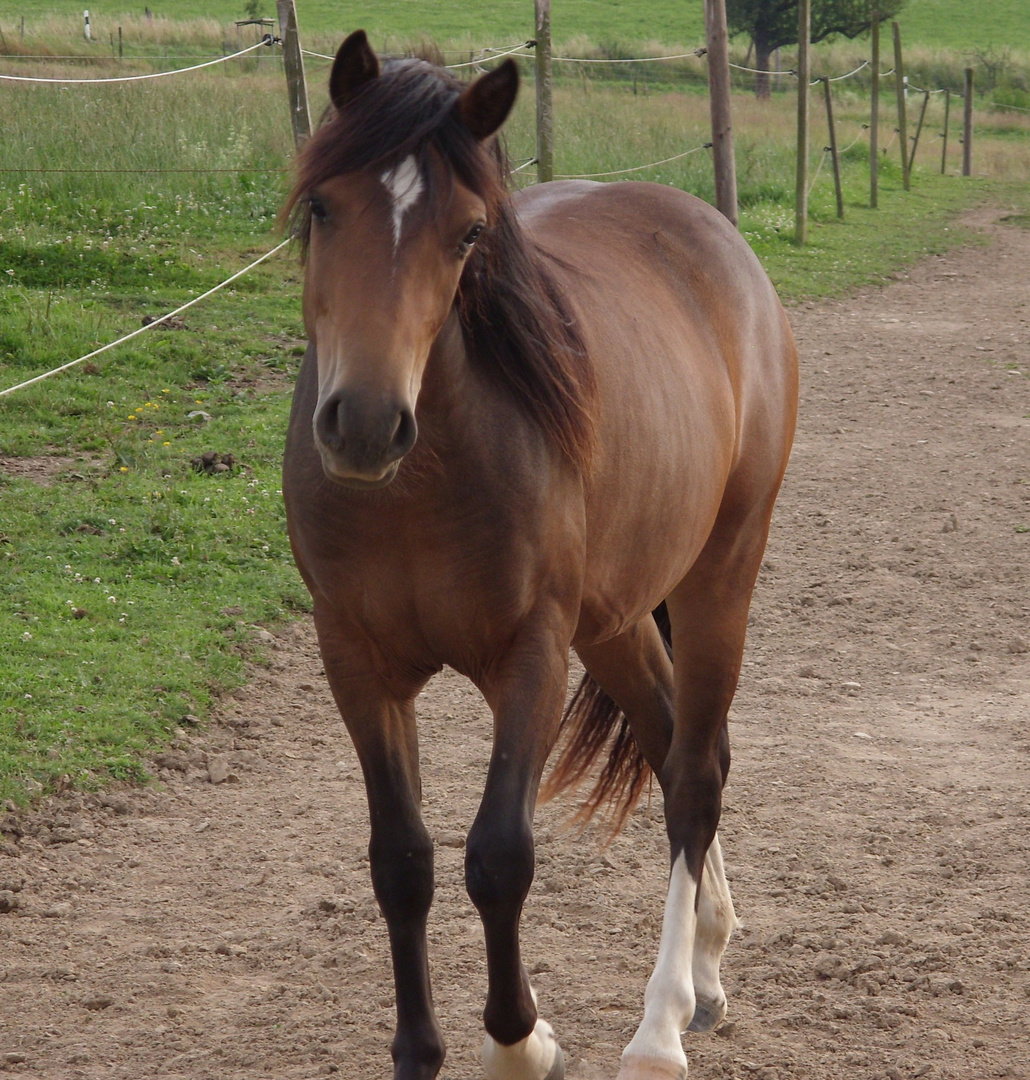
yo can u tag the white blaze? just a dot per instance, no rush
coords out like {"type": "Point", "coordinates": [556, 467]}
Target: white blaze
{"type": "Point", "coordinates": [404, 185]}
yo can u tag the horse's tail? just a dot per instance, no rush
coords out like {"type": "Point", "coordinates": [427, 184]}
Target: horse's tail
{"type": "Point", "coordinates": [594, 726]}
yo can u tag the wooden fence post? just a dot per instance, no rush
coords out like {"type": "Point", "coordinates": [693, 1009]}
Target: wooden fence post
{"type": "Point", "coordinates": [544, 110]}
{"type": "Point", "coordinates": [801, 191]}
{"type": "Point", "coordinates": [919, 129]}
{"type": "Point", "coordinates": [967, 127]}
{"type": "Point", "coordinates": [835, 157]}
{"type": "Point", "coordinates": [947, 117]}
{"type": "Point", "coordinates": [899, 84]}
{"type": "Point", "coordinates": [293, 62]}
{"type": "Point", "coordinates": [719, 102]}
{"type": "Point", "coordinates": [874, 117]}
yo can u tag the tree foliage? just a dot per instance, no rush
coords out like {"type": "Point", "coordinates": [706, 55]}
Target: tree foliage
{"type": "Point", "coordinates": [774, 23]}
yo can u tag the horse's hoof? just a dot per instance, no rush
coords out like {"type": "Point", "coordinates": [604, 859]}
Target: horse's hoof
{"type": "Point", "coordinates": [642, 1068]}
{"type": "Point", "coordinates": [708, 1014]}
{"type": "Point", "coordinates": [558, 1068]}
{"type": "Point", "coordinates": [526, 1059]}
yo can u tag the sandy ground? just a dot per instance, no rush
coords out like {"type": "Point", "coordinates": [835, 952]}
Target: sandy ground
{"type": "Point", "coordinates": [877, 825]}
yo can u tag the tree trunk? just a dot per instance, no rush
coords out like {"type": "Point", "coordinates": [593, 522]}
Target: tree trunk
{"type": "Point", "coordinates": [763, 57]}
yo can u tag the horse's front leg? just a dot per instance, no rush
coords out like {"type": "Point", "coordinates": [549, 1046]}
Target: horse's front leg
{"type": "Point", "coordinates": [526, 695]}
{"type": "Point", "coordinates": [381, 721]}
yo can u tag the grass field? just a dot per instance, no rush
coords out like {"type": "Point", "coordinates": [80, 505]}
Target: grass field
{"type": "Point", "coordinates": [133, 588]}
{"type": "Point", "coordinates": [951, 24]}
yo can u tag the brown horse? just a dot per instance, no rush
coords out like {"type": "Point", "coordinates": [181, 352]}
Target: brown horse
{"type": "Point", "coordinates": [523, 424]}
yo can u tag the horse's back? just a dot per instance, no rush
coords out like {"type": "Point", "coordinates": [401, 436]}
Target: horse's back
{"type": "Point", "coordinates": [696, 370]}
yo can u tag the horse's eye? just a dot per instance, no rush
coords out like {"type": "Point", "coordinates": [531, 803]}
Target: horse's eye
{"type": "Point", "coordinates": [470, 238]}
{"type": "Point", "coordinates": [318, 208]}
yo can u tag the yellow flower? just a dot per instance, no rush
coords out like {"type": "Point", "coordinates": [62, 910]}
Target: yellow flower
{"type": "Point", "coordinates": [166, 444]}
{"type": "Point", "coordinates": [124, 468]}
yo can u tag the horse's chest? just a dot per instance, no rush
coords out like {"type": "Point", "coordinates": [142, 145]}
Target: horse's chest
{"type": "Point", "coordinates": [431, 586]}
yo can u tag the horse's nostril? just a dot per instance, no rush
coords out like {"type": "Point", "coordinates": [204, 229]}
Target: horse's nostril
{"type": "Point", "coordinates": [329, 423]}
{"type": "Point", "coordinates": [404, 434]}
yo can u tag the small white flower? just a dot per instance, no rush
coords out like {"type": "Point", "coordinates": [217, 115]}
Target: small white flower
{"type": "Point", "coordinates": [112, 600]}
{"type": "Point", "coordinates": [175, 561]}
{"type": "Point", "coordinates": [26, 636]}
{"type": "Point", "coordinates": [111, 521]}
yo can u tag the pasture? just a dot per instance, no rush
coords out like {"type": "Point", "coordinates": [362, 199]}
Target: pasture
{"type": "Point", "coordinates": [887, 657]}
{"type": "Point", "coordinates": [943, 24]}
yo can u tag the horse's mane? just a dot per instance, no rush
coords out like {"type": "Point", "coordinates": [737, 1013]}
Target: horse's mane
{"type": "Point", "coordinates": [516, 327]}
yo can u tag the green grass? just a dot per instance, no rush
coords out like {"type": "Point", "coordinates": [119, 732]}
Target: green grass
{"type": "Point", "coordinates": [131, 586]}
{"type": "Point", "coordinates": [952, 24]}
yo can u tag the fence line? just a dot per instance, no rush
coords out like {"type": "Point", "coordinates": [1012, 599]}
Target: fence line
{"type": "Point", "coordinates": [838, 78]}
{"type": "Point", "coordinates": [98, 59]}
{"type": "Point", "coordinates": [495, 54]}
{"type": "Point", "coordinates": [148, 326]}
{"type": "Point", "coordinates": [695, 54]}
{"type": "Point", "coordinates": [864, 127]}
{"type": "Point", "coordinates": [762, 71]}
{"type": "Point", "coordinates": [142, 172]}
{"type": "Point", "coordinates": [633, 168]}
{"type": "Point", "coordinates": [267, 40]}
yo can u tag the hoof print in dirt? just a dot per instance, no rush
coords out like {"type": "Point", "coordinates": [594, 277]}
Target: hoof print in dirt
{"type": "Point", "coordinates": [212, 462]}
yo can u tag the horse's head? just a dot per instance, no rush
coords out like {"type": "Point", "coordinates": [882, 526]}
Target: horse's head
{"type": "Point", "coordinates": [393, 194]}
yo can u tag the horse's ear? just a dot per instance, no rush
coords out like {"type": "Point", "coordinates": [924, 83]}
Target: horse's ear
{"type": "Point", "coordinates": [355, 65]}
{"type": "Point", "coordinates": [485, 104]}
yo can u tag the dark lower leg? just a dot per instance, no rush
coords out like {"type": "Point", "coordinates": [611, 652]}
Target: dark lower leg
{"type": "Point", "coordinates": [498, 874]}
{"type": "Point", "coordinates": [402, 877]}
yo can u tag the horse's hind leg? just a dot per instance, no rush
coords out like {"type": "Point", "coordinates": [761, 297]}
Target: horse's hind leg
{"type": "Point", "coordinates": [381, 723]}
{"type": "Point", "coordinates": [635, 671]}
{"type": "Point", "coordinates": [708, 611]}
{"type": "Point", "coordinates": [716, 921]}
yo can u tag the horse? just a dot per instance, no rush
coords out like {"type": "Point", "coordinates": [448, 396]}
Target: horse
{"type": "Point", "coordinates": [527, 424]}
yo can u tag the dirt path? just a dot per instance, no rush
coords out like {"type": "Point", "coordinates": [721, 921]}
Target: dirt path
{"type": "Point", "coordinates": [877, 825]}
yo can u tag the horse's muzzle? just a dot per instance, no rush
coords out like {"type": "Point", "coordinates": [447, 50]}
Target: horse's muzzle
{"type": "Point", "coordinates": [361, 442]}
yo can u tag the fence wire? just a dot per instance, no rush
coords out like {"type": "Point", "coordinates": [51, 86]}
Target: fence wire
{"type": "Point", "coordinates": [632, 168]}
{"type": "Point", "coordinates": [148, 326]}
{"type": "Point", "coordinates": [267, 40]}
